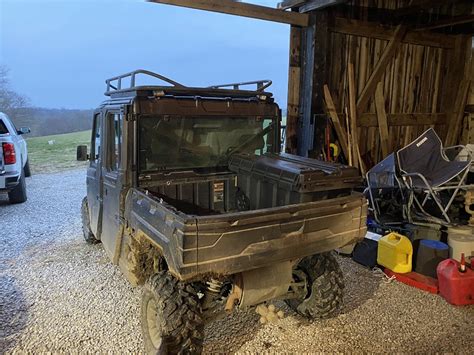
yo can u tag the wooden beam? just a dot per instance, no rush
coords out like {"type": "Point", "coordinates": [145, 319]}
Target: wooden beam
{"type": "Point", "coordinates": [380, 68]}
{"type": "Point", "coordinates": [453, 21]}
{"type": "Point", "coordinates": [376, 30]}
{"type": "Point", "coordinates": [403, 119]}
{"type": "Point", "coordinates": [241, 9]}
{"type": "Point", "coordinates": [313, 5]}
{"type": "Point", "coordinates": [294, 79]}
{"type": "Point", "coordinates": [382, 120]}
{"type": "Point", "coordinates": [341, 133]}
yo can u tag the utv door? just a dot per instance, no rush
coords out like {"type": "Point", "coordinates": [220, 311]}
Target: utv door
{"type": "Point", "coordinates": [94, 177]}
{"type": "Point", "coordinates": [112, 180]}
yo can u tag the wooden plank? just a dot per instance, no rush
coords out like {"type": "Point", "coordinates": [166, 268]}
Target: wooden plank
{"type": "Point", "coordinates": [453, 21]}
{"type": "Point", "coordinates": [458, 114]}
{"type": "Point", "coordinates": [241, 9]}
{"type": "Point", "coordinates": [403, 119]}
{"type": "Point", "coordinates": [341, 134]}
{"type": "Point", "coordinates": [376, 30]}
{"type": "Point", "coordinates": [382, 119]}
{"type": "Point", "coordinates": [353, 117]}
{"type": "Point", "coordinates": [380, 67]}
{"type": "Point", "coordinates": [294, 77]}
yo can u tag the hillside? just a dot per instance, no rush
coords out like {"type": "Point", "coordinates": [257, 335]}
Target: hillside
{"type": "Point", "coordinates": [45, 121]}
{"type": "Point", "coordinates": [56, 152]}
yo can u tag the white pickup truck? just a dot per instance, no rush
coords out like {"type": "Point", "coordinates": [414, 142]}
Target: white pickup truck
{"type": "Point", "coordinates": [14, 166]}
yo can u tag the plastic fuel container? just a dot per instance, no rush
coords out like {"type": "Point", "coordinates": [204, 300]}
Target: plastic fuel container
{"type": "Point", "coordinates": [395, 252]}
{"type": "Point", "coordinates": [455, 286]}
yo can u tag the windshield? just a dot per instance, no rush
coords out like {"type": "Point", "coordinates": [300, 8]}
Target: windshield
{"type": "Point", "coordinates": [201, 142]}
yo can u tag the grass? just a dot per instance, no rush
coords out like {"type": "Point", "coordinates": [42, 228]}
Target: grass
{"type": "Point", "coordinates": [61, 155]}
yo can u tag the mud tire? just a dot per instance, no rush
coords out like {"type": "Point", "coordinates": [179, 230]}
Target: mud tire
{"type": "Point", "coordinates": [171, 316]}
{"type": "Point", "coordinates": [325, 287]}
{"type": "Point", "coordinates": [27, 168]}
{"type": "Point", "coordinates": [86, 225]}
{"type": "Point", "coordinates": [18, 194]}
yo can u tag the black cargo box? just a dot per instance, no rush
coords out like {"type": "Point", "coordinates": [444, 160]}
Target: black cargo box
{"type": "Point", "coordinates": [273, 180]}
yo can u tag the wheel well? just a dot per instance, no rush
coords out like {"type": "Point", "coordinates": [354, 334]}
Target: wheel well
{"type": "Point", "coordinates": [140, 258]}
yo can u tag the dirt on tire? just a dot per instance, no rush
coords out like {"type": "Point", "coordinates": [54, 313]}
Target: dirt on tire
{"type": "Point", "coordinates": [325, 287]}
{"type": "Point", "coordinates": [178, 319]}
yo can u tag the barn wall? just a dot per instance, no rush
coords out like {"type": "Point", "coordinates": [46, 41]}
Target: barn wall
{"type": "Point", "coordinates": [422, 81]}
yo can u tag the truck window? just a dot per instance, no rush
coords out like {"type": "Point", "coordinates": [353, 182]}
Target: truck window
{"type": "Point", "coordinates": [201, 142]}
{"type": "Point", "coordinates": [95, 144]}
{"type": "Point", "coordinates": [114, 123]}
{"type": "Point", "coordinates": [3, 128]}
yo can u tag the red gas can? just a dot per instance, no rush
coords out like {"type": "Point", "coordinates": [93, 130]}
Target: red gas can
{"type": "Point", "coordinates": [455, 286]}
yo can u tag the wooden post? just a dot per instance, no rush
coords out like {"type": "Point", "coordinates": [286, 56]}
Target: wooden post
{"type": "Point", "coordinates": [294, 77]}
{"type": "Point", "coordinates": [319, 79]}
{"type": "Point", "coordinates": [382, 120]}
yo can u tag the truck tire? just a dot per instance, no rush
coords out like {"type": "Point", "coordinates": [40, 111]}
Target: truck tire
{"type": "Point", "coordinates": [18, 194]}
{"type": "Point", "coordinates": [86, 224]}
{"type": "Point", "coordinates": [171, 316]}
{"type": "Point", "coordinates": [325, 283]}
{"type": "Point", "coordinates": [27, 168]}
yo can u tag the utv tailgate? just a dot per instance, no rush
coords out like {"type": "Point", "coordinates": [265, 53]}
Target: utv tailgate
{"type": "Point", "coordinates": [231, 243]}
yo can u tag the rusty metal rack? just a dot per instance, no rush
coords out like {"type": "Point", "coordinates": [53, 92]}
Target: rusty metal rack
{"type": "Point", "coordinates": [261, 85]}
{"type": "Point", "coordinates": [132, 75]}
{"type": "Point", "coordinates": [116, 86]}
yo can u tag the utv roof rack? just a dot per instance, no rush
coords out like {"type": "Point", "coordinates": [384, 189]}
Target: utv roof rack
{"type": "Point", "coordinates": [261, 85]}
{"type": "Point", "coordinates": [133, 74]}
{"type": "Point", "coordinates": [117, 86]}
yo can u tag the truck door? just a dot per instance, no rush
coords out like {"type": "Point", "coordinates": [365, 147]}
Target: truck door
{"type": "Point", "coordinates": [94, 177]}
{"type": "Point", "coordinates": [112, 180]}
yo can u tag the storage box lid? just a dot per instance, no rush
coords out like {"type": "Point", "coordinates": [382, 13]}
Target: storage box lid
{"type": "Point", "coordinates": [297, 173]}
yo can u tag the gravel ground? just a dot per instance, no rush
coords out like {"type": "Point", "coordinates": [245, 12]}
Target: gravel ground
{"type": "Point", "coordinates": [59, 295]}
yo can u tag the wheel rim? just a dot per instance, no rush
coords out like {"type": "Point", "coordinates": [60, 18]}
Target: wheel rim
{"type": "Point", "coordinates": [154, 330]}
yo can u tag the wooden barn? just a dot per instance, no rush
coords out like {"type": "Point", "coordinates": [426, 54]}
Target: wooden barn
{"type": "Point", "coordinates": [371, 75]}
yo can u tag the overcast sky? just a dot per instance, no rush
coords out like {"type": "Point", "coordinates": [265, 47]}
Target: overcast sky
{"type": "Point", "coordinates": [60, 51]}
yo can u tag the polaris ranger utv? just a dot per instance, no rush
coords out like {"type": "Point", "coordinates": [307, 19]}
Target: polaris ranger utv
{"type": "Point", "coordinates": [190, 195]}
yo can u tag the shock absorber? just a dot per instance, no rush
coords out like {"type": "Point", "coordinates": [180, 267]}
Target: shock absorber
{"type": "Point", "coordinates": [214, 285]}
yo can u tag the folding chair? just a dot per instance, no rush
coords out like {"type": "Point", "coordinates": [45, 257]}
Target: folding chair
{"type": "Point", "coordinates": [386, 196]}
{"type": "Point", "coordinates": [426, 171]}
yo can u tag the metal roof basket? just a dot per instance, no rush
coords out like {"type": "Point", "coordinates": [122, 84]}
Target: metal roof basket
{"type": "Point", "coordinates": [261, 85]}
{"type": "Point", "coordinates": [115, 83]}
{"type": "Point", "coordinates": [118, 84]}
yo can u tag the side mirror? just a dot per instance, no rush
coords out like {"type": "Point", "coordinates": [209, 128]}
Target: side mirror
{"type": "Point", "coordinates": [24, 130]}
{"type": "Point", "coordinates": [81, 153]}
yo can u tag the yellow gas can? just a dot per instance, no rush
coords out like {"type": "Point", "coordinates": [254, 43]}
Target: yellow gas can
{"type": "Point", "coordinates": [395, 252]}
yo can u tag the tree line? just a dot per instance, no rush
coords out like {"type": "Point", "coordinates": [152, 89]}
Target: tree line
{"type": "Point", "coordinates": [41, 121]}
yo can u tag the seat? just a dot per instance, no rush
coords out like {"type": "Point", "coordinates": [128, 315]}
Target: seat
{"type": "Point", "coordinates": [385, 193]}
{"type": "Point", "coordinates": [426, 170]}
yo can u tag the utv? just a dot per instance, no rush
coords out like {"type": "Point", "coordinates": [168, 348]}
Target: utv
{"type": "Point", "coordinates": [190, 195]}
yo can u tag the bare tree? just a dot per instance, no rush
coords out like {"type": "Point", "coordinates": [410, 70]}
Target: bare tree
{"type": "Point", "coordinates": [10, 101]}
